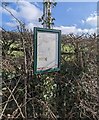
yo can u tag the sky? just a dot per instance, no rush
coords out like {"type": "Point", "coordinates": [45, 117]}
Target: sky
{"type": "Point", "coordinates": [71, 17]}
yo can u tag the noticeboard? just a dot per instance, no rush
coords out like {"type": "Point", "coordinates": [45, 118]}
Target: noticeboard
{"type": "Point", "coordinates": [46, 50]}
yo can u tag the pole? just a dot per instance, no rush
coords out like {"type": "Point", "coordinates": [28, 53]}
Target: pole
{"type": "Point", "coordinates": [47, 13]}
{"type": "Point", "coordinates": [47, 19]}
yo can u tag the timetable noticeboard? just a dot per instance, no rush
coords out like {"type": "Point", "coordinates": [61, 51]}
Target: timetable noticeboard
{"type": "Point", "coordinates": [46, 50]}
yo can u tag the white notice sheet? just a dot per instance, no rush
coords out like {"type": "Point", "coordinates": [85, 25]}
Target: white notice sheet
{"type": "Point", "coordinates": [47, 50]}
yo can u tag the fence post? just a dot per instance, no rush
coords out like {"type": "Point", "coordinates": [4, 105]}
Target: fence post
{"type": "Point", "coordinates": [59, 98]}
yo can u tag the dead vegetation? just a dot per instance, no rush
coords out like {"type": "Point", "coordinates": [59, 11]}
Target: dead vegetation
{"type": "Point", "coordinates": [71, 94]}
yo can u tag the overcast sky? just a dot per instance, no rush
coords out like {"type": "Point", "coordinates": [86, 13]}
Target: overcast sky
{"type": "Point", "coordinates": [71, 17]}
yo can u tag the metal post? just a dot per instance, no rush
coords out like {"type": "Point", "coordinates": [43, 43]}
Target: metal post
{"type": "Point", "coordinates": [47, 13]}
{"type": "Point", "coordinates": [44, 13]}
{"type": "Point", "coordinates": [47, 19]}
